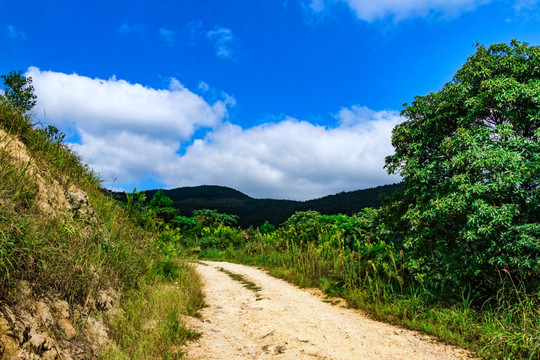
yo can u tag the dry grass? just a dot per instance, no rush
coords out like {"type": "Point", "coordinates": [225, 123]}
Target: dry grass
{"type": "Point", "coordinates": [151, 325]}
{"type": "Point", "coordinates": [77, 256]}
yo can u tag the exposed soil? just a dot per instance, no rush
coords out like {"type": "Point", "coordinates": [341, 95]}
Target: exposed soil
{"type": "Point", "coordinates": [49, 328]}
{"type": "Point", "coordinates": [52, 197]}
{"type": "Point", "coordinates": [46, 326]}
{"type": "Point", "coordinates": [273, 319]}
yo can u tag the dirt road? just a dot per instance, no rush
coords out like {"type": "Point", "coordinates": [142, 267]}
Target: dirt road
{"type": "Point", "coordinates": [275, 320]}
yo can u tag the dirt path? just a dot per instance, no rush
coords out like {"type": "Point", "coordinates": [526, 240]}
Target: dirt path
{"type": "Point", "coordinates": [281, 321]}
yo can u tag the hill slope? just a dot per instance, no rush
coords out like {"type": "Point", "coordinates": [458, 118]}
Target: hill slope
{"type": "Point", "coordinates": [69, 254]}
{"type": "Point", "coordinates": [254, 212]}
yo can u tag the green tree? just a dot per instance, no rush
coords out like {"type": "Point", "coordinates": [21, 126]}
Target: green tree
{"type": "Point", "coordinates": [162, 206]}
{"type": "Point", "coordinates": [212, 218]}
{"type": "Point", "coordinates": [307, 225]}
{"type": "Point", "coordinates": [267, 228]}
{"type": "Point", "coordinates": [159, 200]}
{"type": "Point", "coordinates": [135, 201]}
{"type": "Point", "coordinates": [470, 158]}
{"type": "Point", "coordinates": [18, 90]}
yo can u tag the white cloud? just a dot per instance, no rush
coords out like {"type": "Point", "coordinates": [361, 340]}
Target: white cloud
{"type": "Point", "coordinates": [527, 10]}
{"type": "Point", "coordinates": [13, 33]}
{"type": "Point", "coordinates": [167, 35]}
{"type": "Point", "coordinates": [317, 5]}
{"type": "Point", "coordinates": [203, 86]}
{"type": "Point", "coordinates": [126, 156]}
{"type": "Point", "coordinates": [292, 159]}
{"type": "Point", "coordinates": [223, 38]}
{"type": "Point", "coordinates": [126, 130]}
{"type": "Point", "coordinates": [135, 133]}
{"type": "Point", "coordinates": [369, 10]}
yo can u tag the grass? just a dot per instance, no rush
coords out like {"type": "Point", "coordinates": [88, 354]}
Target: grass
{"type": "Point", "coordinates": [75, 256]}
{"type": "Point", "coordinates": [250, 285]}
{"type": "Point", "coordinates": [332, 302]}
{"type": "Point", "coordinates": [151, 322]}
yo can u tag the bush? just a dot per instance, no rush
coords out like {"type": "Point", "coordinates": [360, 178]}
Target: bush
{"type": "Point", "coordinates": [470, 158]}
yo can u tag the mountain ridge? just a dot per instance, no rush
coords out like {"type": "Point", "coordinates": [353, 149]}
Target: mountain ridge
{"type": "Point", "coordinates": [254, 212]}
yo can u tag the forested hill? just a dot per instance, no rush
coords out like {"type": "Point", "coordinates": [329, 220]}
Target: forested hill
{"type": "Point", "coordinates": [256, 211]}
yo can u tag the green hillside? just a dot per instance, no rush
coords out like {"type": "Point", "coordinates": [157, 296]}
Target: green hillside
{"type": "Point", "coordinates": [254, 212]}
{"type": "Point", "coordinates": [81, 276]}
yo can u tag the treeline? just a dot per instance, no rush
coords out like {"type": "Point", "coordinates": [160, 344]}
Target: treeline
{"type": "Point", "coordinates": [361, 259]}
{"type": "Point", "coordinates": [255, 212]}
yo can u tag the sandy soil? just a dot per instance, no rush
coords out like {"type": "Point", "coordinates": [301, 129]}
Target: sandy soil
{"type": "Point", "coordinates": [282, 321]}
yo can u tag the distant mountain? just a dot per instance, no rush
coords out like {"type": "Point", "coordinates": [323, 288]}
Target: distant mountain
{"type": "Point", "coordinates": [255, 212]}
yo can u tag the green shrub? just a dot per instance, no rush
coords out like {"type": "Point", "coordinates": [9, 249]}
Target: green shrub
{"type": "Point", "coordinates": [470, 158]}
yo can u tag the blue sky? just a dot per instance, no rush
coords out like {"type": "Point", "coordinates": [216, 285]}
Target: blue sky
{"type": "Point", "coordinates": [276, 98]}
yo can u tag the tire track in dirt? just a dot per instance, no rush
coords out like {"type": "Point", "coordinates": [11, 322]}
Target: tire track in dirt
{"type": "Point", "coordinates": [281, 321]}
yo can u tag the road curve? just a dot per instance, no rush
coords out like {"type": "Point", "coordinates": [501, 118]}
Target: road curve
{"type": "Point", "coordinates": [281, 321]}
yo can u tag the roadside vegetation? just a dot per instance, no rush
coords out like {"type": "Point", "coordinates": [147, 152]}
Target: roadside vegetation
{"type": "Point", "coordinates": [74, 250]}
{"type": "Point", "coordinates": [340, 255]}
{"type": "Point", "coordinates": [457, 253]}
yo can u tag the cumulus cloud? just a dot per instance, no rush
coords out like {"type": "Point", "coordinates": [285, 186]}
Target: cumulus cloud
{"type": "Point", "coordinates": [137, 134]}
{"type": "Point", "coordinates": [203, 86]}
{"type": "Point", "coordinates": [222, 38]}
{"type": "Point", "coordinates": [126, 130]}
{"type": "Point", "coordinates": [292, 159]}
{"type": "Point", "coordinates": [402, 9]}
{"type": "Point", "coordinates": [128, 157]}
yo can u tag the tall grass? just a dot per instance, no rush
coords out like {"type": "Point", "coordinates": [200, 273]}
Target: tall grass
{"type": "Point", "coordinates": [151, 324]}
{"type": "Point", "coordinates": [77, 257]}
{"type": "Point", "coordinates": [374, 277]}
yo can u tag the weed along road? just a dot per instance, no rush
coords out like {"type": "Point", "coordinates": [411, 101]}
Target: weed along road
{"type": "Point", "coordinates": [251, 315]}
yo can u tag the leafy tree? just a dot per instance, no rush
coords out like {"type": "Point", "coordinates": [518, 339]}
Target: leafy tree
{"type": "Point", "coordinates": [307, 225]}
{"type": "Point", "coordinates": [184, 223]}
{"type": "Point", "coordinates": [162, 206]}
{"type": "Point", "coordinates": [159, 200]}
{"type": "Point", "coordinates": [135, 201]}
{"type": "Point", "coordinates": [135, 206]}
{"type": "Point", "coordinates": [212, 218]}
{"type": "Point", "coordinates": [352, 227]}
{"type": "Point", "coordinates": [18, 90]}
{"type": "Point", "coordinates": [470, 158]}
{"type": "Point", "coordinates": [267, 228]}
